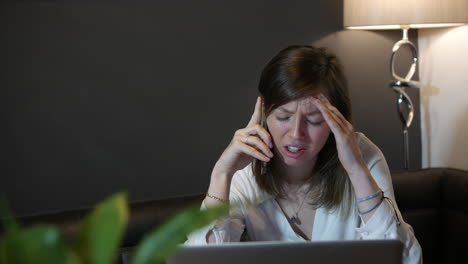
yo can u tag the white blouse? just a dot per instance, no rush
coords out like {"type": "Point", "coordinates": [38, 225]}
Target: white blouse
{"type": "Point", "coordinates": [261, 216]}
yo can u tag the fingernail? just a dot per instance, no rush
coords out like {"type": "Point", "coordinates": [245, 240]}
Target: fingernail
{"type": "Point", "coordinates": [270, 154]}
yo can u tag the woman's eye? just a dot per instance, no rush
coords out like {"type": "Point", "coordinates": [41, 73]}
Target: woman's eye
{"type": "Point", "coordinates": [279, 118]}
{"type": "Point", "coordinates": [315, 123]}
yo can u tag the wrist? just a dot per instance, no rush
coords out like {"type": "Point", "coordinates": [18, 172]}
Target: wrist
{"type": "Point", "coordinates": [220, 185]}
{"type": "Point", "coordinates": [221, 179]}
{"type": "Point", "coordinates": [359, 172]}
{"type": "Point", "coordinates": [363, 182]}
{"type": "Point", "coordinates": [220, 173]}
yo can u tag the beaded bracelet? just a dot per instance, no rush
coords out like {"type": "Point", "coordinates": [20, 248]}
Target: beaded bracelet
{"type": "Point", "coordinates": [216, 198]}
{"type": "Point", "coordinates": [369, 197]}
{"type": "Point", "coordinates": [373, 208]}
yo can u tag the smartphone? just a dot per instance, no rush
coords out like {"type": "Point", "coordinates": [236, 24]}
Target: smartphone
{"type": "Point", "coordinates": [262, 115]}
{"type": "Point", "coordinates": [263, 165]}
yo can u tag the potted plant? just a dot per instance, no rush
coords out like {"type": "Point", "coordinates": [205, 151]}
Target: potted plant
{"type": "Point", "coordinates": [99, 236]}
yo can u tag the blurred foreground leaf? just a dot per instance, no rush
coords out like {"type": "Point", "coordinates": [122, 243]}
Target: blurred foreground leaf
{"type": "Point", "coordinates": [163, 241]}
{"type": "Point", "coordinates": [38, 244]}
{"type": "Point", "coordinates": [99, 236]}
{"type": "Point", "coordinates": [101, 232]}
{"type": "Point", "coordinates": [6, 216]}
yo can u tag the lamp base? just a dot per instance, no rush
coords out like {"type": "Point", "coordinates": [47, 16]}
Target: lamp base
{"type": "Point", "coordinates": [405, 107]}
{"type": "Point", "coordinates": [405, 84]}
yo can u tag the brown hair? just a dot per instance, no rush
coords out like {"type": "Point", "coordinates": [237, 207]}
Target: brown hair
{"type": "Point", "coordinates": [297, 72]}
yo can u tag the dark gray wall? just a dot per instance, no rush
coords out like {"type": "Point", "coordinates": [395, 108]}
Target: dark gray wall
{"type": "Point", "coordinates": [143, 96]}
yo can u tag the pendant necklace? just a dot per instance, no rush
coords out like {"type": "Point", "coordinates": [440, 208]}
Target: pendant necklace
{"type": "Point", "coordinates": [295, 217]}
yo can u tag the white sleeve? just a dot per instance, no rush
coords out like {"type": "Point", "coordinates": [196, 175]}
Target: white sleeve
{"type": "Point", "coordinates": [228, 229]}
{"type": "Point", "coordinates": [387, 222]}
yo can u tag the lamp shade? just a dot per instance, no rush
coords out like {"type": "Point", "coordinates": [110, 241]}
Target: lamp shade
{"type": "Point", "coordinates": [395, 14]}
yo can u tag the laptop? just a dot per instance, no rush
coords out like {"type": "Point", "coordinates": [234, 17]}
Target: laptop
{"type": "Point", "coordinates": [323, 252]}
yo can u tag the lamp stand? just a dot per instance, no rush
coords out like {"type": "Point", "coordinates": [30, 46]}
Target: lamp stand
{"type": "Point", "coordinates": [405, 107]}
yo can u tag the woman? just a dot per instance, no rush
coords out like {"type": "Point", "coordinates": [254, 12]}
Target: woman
{"type": "Point", "coordinates": [298, 171]}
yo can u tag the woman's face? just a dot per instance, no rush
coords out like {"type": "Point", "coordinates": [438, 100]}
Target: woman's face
{"type": "Point", "coordinates": [299, 132]}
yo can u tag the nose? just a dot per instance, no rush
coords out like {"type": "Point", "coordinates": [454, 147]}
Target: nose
{"type": "Point", "coordinates": [297, 131]}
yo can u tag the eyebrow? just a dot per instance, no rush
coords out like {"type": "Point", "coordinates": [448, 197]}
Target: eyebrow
{"type": "Point", "coordinates": [316, 112]}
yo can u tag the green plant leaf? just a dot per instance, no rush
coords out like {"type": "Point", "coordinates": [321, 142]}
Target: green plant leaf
{"type": "Point", "coordinates": [37, 244]}
{"type": "Point", "coordinates": [8, 220]}
{"type": "Point", "coordinates": [163, 241]}
{"type": "Point", "coordinates": [101, 232]}
{"type": "Point", "coordinates": [72, 257]}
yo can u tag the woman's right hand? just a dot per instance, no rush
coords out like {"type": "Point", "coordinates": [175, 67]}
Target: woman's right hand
{"type": "Point", "coordinates": [251, 142]}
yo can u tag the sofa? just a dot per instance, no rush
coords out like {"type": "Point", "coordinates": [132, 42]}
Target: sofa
{"type": "Point", "coordinates": [433, 201]}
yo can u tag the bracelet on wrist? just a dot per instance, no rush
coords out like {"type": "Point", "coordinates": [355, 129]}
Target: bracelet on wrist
{"type": "Point", "coordinates": [216, 198]}
{"type": "Point", "coordinates": [369, 197]}
{"type": "Point", "coordinates": [371, 209]}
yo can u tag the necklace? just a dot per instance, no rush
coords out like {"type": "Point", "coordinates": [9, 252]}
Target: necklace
{"type": "Point", "coordinates": [295, 217]}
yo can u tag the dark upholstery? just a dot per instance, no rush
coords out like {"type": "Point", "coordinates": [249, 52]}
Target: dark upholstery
{"type": "Point", "coordinates": [435, 203]}
{"type": "Point", "coordinates": [144, 216]}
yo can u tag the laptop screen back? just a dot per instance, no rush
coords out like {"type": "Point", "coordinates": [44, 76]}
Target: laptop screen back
{"type": "Point", "coordinates": [324, 252]}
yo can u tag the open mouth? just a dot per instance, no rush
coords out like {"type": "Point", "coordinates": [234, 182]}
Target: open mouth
{"type": "Point", "coordinates": [293, 149]}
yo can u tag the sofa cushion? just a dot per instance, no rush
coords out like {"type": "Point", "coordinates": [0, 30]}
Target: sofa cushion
{"type": "Point", "coordinates": [435, 203]}
{"type": "Point", "coordinates": [455, 216]}
{"type": "Point", "coordinates": [418, 195]}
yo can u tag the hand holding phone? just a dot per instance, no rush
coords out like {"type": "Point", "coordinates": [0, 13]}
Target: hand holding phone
{"type": "Point", "coordinates": [251, 142]}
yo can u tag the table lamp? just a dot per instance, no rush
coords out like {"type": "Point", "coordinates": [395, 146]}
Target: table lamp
{"type": "Point", "coordinates": [403, 15]}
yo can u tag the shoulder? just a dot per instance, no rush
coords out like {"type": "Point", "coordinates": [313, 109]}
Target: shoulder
{"type": "Point", "coordinates": [370, 152]}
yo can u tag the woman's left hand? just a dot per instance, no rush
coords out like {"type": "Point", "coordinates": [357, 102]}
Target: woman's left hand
{"type": "Point", "coordinates": [348, 149]}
